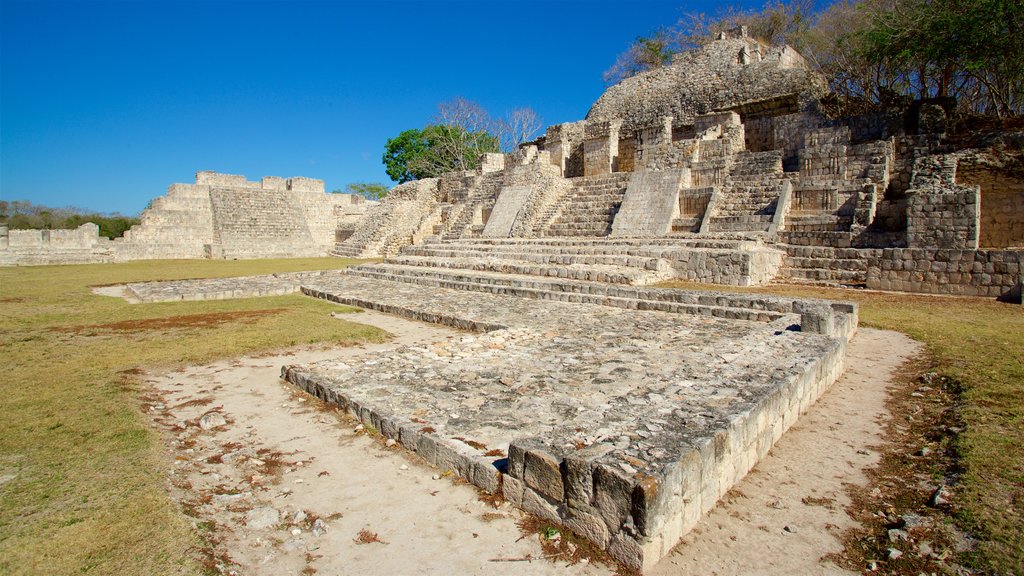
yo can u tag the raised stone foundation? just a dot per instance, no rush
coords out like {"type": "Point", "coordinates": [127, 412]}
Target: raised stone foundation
{"type": "Point", "coordinates": [646, 406]}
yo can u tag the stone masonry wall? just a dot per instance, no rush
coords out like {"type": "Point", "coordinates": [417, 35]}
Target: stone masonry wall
{"type": "Point", "coordinates": [1001, 180]}
{"type": "Point", "coordinates": [960, 272]}
{"type": "Point", "coordinates": [941, 214]}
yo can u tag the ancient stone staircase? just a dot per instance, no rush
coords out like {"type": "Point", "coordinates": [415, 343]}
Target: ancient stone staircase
{"type": "Point", "coordinates": [460, 217]}
{"type": "Point", "coordinates": [590, 208]}
{"type": "Point", "coordinates": [825, 266]}
{"type": "Point", "coordinates": [750, 194]}
{"type": "Point", "coordinates": [258, 223]}
{"type": "Point", "coordinates": [736, 306]}
{"type": "Point", "coordinates": [632, 261]}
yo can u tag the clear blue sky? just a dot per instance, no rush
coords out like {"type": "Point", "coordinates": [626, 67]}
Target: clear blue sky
{"type": "Point", "coordinates": [104, 104]}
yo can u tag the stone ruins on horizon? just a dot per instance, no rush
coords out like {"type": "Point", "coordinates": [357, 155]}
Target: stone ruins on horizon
{"type": "Point", "coordinates": [586, 397]}
{"type": "Point", "coordinates": [718, 168]}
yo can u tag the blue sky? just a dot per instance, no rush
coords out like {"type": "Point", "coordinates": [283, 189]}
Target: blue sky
{"type": "Point", "coordinates": [104, 104]}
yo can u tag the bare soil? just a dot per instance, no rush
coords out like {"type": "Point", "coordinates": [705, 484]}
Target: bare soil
{"type": "Point", "coordinates": [279, 483]}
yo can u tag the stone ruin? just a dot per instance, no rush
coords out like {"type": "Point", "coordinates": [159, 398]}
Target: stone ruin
{"type": "Point", "coordinates": [721, 168]}
{"type": "Point", "coordinates": [579, 393]}
{"type": "Point", "coordinates": [220, 216]}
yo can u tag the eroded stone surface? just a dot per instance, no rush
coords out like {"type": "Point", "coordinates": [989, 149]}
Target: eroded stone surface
{"type": "Point", "coordinates": [622, 412]}
{"type": "Point", "coordinates": [627, 424]}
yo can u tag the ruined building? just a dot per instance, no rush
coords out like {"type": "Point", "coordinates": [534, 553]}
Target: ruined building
{"type": "Point", "coordinates": [719, 168]}
{"type": "Point", "coordinates": [220, 216]}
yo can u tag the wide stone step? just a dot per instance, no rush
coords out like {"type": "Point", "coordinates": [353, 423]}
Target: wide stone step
{"type": "Point", "coordinates": [724, 305]}
{"type": "Point", "coordinates": [483, 272]}
{"type": "Point", "coordinates": [554, 245]}
{"type": "Point", "coordinates": [824, 275]}
{"type": "Point", "coordinates": [528, 261]}
{"type": "Point", "coordinates": [826, 263]}
{"type": "Point", "coordinates": [829, 252]}
{"type": "Point", "coordinates": [563, 259]}
{"type": "Point", "coordinates": [742, 218]}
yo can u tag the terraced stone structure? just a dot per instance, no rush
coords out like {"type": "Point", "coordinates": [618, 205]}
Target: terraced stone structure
{"type": "Point", "coordinates": [220, 216]}
{"type": "Point", "coordinates": [580, 393]}
{"type": "Point", "coordinates": [622, 411]}
{"type": "Point", "coordinates": [721, 168]}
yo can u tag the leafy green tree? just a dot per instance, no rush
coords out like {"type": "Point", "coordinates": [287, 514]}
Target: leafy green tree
{"type": "Point", "coordinates": [969, 49]}
{"type": "Point", "coordinates": [460, 134]}
{"type": "Point", "coordinates": [434, 150]}
{"type": "Point", "coordinates": [370, 190]}
{"type": "Point", "coordinates": [402, 153]}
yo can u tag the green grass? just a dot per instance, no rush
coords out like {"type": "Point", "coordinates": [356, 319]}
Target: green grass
{"type": "Point", "coordinates": [980, 343]}
{"type": "Point", "coordinates": [88, 491]}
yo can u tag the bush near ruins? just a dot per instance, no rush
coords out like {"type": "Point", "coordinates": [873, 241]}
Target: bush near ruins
{"type": "Point", "coordinates": [875, 52]}
{"type": "Point", "coordinates": [369, 190]}
{"type": "Point", "coordinates": [23, 215]}
{"type": "Point", "coordinates": [455, 141]}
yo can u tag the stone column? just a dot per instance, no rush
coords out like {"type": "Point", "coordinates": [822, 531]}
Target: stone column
{"type": "Point", "coordinates": [601, 147]}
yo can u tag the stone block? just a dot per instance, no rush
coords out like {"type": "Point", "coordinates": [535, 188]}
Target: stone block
{"type": "Point", "coordinates": [543, 473]}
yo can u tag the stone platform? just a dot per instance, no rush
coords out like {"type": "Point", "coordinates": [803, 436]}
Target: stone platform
{"type": "Point", "coordinates": [625, 425]}
{"type": "Point", "coordinates": [624, 413]}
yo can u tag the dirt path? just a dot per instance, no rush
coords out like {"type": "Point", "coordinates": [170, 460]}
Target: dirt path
{"type": "Point", "coordinates": [284, 487]}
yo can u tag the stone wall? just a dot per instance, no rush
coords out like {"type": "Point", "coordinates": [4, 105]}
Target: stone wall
{"type": "Point", "coordinates": [940, 213]}
{"type": "Point", "coordinates": [995, 273]}
{"type": "Point", "coordinates": [1001, 182]}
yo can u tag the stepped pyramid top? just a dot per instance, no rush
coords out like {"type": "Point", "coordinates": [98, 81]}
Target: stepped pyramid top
{"type": "Point", "coordinates": [734, 72]}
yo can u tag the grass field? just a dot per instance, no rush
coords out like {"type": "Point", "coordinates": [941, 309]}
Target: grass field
{"type": "Point", "coordinates": [82, 484]}
{"type": "Point", "coordinates": [979, 343]}
{"type": "Point", "coordinates": [81, 473]}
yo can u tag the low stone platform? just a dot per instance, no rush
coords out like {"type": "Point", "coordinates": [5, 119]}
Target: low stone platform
{"type": "Point", "coordinates": [734, 259]}
{"type": "Point", "coordinates": [222, 288]}
{"type": "Point", "coordinates": [624, 413]}
{"type": "Point", "coordinates": [625, 425]}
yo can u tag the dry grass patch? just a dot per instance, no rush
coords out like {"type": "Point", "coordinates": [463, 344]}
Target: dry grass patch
{"type": "Point", "coordinates": [88, 493]}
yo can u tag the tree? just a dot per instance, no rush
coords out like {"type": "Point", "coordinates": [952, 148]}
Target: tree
{"type": "Point", "coordinates": [517, 127]}
{"type": "Point", "coordinates": [401, 155]}
{"type": "Point", "coordinates": [370, 190]}
{"type": "Point", "coordinates": [460, 134]}
{"type": "Point", "coordinates": [969, 49]}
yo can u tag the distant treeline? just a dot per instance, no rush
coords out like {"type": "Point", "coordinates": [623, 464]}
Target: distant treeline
{"type": "Point", "coordinates": [24, 215]}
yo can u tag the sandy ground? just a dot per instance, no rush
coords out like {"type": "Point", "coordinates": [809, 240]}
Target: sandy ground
{"type": "Point", "coordinates": [284, 486]}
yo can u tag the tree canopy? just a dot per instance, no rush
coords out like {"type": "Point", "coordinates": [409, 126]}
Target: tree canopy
{"type": "Point", "coordinates": [369, 190]}
{"type": "Point", "coordinates": [434, 150]}
{"type": "Point", "coordinates": [873, 50]}
{"type": "Point", "coordinates": [24, 215]}
{"type": "Point", "coordinates": [460, 134]}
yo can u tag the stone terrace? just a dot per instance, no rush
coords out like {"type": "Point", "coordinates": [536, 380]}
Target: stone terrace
{"type": "Point", "coordinates": [618, 418]}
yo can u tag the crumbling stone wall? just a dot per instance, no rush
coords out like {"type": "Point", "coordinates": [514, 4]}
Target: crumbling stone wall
{"type": "Point", "coordinates": [940, 213]}
{"type": "Point", "coordinates": [391, 224]}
